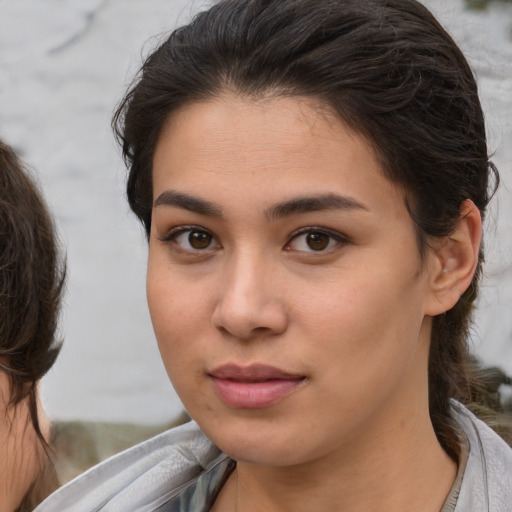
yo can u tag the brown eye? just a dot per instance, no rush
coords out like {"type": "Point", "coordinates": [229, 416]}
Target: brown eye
{"type": "Point", "coordinates": [199, 239]}
{"type": "Point", "coordinates": [192, 239]}
{"type": "Point", "coordinates": [317, 241]}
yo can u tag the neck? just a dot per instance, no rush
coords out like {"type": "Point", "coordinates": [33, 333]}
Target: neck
{"type": "Point", "coordinates": [351, 482]}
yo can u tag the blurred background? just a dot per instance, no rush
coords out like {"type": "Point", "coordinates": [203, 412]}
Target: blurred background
{"type": "Point", "coordinates": [64, 64]}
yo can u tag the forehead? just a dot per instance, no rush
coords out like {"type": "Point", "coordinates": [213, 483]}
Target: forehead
{"type": "Point", "coordinates": [292, 143]}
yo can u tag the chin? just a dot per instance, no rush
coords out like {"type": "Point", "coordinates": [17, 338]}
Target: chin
{"type": "Point", "coordinates": [259, 443]}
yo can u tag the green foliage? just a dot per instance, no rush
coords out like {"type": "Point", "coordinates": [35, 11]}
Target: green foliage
{"type": "Point", "coordinates": [482, 4]}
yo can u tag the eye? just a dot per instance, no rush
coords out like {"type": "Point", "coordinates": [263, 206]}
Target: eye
{"type": "Point", "coordinates": [314, 240]}
{"type": "Point", "coordinates": [192, 239]}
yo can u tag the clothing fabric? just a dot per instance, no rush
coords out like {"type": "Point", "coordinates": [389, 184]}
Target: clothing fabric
{"type": "Point", "coordinates": [182, 471]}
{"type": "Point", "coordinates": [487, 480]}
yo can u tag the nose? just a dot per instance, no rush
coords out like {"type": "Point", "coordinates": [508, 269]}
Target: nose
{"type": "Point", "coordinates": [250, 304]}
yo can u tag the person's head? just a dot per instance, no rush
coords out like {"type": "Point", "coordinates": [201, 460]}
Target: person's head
{"type": "Point", "coordinates": [386, 70]}
{"type": "Point", "coordinates": [31, 282]}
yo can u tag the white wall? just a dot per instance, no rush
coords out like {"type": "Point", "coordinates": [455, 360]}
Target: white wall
{"type": "Point", "coordinates": [63, 67]}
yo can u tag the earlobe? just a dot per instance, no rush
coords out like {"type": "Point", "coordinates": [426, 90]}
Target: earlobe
{"type": "Point", "coordinates": [455, 261]}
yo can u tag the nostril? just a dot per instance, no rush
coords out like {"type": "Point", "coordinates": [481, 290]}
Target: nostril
{"type": "Point", "coordinates": [246, 322]}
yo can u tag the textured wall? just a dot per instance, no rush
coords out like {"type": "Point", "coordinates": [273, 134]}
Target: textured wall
{"type": "Point", "coordinates": [63, 66]}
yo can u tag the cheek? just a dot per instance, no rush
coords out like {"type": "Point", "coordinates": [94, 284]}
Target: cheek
{"type": "Point", "coordinates": [172, 315]}
{"type": "Point", "coordinates": [368, 325]}
{"type": "Point", "coordinates": [178, 317]}
{"type": "Point", "coordinates": [172, 302]}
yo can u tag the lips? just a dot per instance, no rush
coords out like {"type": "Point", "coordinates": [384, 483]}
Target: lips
{"type": "Point", "coordinates": [253, 387]}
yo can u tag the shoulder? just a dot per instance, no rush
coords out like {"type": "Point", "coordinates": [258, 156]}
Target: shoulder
{"type": "Point", "coordinates": [487, 480]}
{"type": "Point", "coordinates": [140, 478]}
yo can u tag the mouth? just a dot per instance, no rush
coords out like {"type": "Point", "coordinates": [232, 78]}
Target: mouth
{"type": "Point", "coordinates": [253, 387]}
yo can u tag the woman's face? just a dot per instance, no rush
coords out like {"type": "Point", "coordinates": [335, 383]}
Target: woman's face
{"type": "Point", "coordinates": [284, 281]}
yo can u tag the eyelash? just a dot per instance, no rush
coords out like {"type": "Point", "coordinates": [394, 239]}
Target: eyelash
{"type": "Point", "coordinates": [174, 233]}
{"type": "Point", "coordinates": [338, 238]}
{"type": "Point", "coordinates": [333, 236]}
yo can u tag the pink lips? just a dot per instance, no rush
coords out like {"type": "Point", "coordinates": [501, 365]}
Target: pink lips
{"type": "Point", "coordinates": [253, 387]}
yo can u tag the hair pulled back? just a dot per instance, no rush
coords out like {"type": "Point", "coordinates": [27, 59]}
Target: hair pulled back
{"type": "Point", "coordinates": [31, 282]}
{"type": "Point", "coordinates": [387, 68]}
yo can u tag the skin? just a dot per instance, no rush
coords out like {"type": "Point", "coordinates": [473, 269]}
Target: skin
{"type": "Point", "coordinates": [351, 319]}
{"type": "Point", "coordinates": [21, 455]}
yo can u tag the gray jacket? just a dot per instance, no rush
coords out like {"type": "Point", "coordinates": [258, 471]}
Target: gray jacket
{"type": "Point", "coordinates": [149, 475]}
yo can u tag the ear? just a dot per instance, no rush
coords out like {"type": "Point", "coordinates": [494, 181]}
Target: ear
{"type": "Point", "coordinates": [454, 261]}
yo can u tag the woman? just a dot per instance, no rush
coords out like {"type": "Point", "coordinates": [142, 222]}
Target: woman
{"type": "Point", "coordinates": [31, 280]}
{"type": "Point", "coordinates": [312, 177]}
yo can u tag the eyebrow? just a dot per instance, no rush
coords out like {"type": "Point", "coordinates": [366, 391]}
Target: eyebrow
{"type": "Point", "coordinates": [285, 209]}
{"type": "Point", "coordinates": [187, 202]}
{"type": "Point", "coordinates": [313, 204]}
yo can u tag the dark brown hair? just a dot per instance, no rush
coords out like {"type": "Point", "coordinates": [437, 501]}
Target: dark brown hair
{"type": "Point", "coordinates": [31, 283]}
{"type": "Point", "coordinates": [388, 69]}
